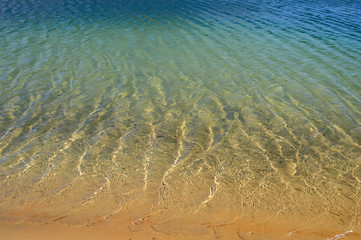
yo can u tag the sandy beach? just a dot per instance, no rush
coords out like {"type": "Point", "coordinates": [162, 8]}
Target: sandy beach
{"type": "Point", "coordinates": [233, 231]}
{"type": "Point", "coordinates": [176, 228]}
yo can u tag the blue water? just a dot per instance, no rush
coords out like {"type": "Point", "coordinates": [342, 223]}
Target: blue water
{"type": "Point", "coordinates": [250, 106]}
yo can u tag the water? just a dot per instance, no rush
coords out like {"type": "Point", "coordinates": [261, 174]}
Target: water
{"type": "Point", "coordinates": [181, 108]}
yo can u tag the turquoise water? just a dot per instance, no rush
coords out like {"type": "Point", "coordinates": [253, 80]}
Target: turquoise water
{"type": "Point", "coordinates": [253, 106]}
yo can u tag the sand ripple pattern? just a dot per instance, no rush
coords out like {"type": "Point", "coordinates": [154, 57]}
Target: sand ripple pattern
{"type": "Point", "coordinates": [251, 106]}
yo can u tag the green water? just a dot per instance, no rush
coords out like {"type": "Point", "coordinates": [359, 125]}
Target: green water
{"type": "Point", "coordinates": [192, 105]}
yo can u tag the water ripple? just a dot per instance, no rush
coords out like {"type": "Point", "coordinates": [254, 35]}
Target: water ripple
{"type": "Point", "coordinates": [111, 105]}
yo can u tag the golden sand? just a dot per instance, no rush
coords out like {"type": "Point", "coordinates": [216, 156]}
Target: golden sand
{"type": "Point", "coordinates": [166, 226]}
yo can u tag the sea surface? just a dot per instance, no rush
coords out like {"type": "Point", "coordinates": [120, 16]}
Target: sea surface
{"type": "Point", "coordinates": [174, 108]}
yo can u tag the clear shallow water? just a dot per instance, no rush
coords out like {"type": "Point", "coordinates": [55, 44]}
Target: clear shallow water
{"type": "Point", "coordinates": [185, 106]}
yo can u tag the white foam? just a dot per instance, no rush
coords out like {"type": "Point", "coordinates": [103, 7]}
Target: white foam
{"type": "Point", "coordinates": [340, 235]}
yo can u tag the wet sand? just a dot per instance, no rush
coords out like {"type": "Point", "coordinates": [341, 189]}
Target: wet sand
{"type": "Point", "coordinates": [232, 231]}
{"type": "Point", "coordinates": [163, 227]}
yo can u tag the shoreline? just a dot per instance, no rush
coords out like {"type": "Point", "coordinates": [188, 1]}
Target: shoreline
{"type": "Point", "coordinates": [173, 229]}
